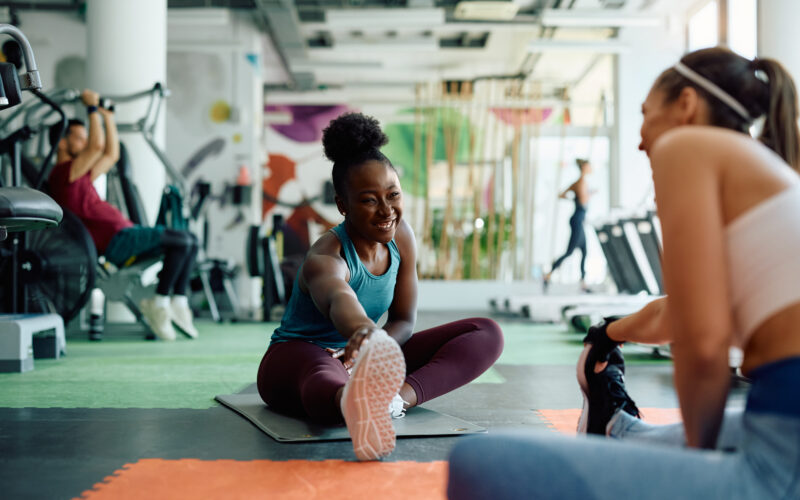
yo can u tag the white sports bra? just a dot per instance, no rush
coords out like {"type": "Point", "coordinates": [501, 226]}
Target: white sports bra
{"type": "Point", "coordinates": [764, 261]}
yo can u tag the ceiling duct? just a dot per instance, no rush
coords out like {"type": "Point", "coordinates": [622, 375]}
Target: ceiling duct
{"type": "Point", "coordinates": [283, 26]}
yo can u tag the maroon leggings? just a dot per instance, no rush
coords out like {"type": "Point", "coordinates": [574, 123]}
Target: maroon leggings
{"type": "Point", "coordinates": [300, 378]}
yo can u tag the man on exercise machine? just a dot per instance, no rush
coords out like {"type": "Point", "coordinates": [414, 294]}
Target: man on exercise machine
{"type": "Point", "coordinates": [81, 159]}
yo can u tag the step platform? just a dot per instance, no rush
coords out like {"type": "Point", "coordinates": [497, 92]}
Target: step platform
{"type": "Point", "coordinates": [24, 337]}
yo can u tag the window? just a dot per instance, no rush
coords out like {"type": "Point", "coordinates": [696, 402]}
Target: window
{"type": "Point", "coordinates": [742, 25]}
{"type": "Point", "coordinates": [703, 29]}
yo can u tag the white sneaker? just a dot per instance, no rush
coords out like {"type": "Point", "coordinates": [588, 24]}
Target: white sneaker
{"type": "Point", "coordinates": [397, 407]}
{"type": "Point", "coordinates": [159, 319]}
{"type": "Point", "coordinates": [182, 318]}
{"type": "Point", "coordinates": [377, 375]}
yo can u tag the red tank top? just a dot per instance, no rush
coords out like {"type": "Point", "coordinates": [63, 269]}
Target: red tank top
{"type": "Point", "coordinates": [80, 197]}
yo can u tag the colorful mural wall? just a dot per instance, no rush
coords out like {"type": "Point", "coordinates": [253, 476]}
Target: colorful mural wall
{"type": "Point", "coordinates": [480, 167]}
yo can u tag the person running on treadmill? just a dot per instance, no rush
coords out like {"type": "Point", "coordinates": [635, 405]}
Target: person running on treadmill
{"type": "Point", "coordinates": [83, 157]}
{"type": "Point", "coordinates": [577, 238]}
{"type": "Point", "coordinates": [729, 206]}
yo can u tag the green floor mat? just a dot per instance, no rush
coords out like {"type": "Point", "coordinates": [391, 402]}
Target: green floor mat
{"type": "Point", "coordinates": [124, 371]}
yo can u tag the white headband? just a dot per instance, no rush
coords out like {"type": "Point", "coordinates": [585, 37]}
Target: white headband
{"type": "Point", "coordinates": [713, 89]}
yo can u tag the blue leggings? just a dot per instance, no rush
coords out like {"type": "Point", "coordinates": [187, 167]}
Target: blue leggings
{"type": "Point", "coordinates": [577, 241]}
{"type": "Point", "coordinates": [179, 249]}
{"type": "Point", "coordinates": [758, 456]}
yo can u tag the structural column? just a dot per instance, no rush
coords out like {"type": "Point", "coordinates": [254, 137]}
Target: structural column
{"type": "Point", "coordinates": [127, 53]}
{"type": "Point", "coordinates": [777, 33]}
{"type": "Point", "coordinates": [649, 51]}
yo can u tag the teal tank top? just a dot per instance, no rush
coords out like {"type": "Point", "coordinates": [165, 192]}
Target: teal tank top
{"type": "Point", "coordinates": [303, 321]}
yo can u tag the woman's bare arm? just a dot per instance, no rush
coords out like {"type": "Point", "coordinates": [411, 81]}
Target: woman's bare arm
{"type": "Point", "coordinates": [325, 276]}
{"type": "Point", "coordinates": [647, 326]}
{"type": "Point", "coordinates": [403, 311]}
{"type": "Point", "coordinates": [687, 183]}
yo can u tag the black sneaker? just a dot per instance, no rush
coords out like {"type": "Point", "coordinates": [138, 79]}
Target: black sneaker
{"type": "Point", "coordinates": [603, 393]}
{"type": "Point", "coordinates": [602, 346]}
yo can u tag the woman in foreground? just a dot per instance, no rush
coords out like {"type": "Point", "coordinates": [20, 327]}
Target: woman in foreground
{"type": "Point", "coordinates": [730, 212]}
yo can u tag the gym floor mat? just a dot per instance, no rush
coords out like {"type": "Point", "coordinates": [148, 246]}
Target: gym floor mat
{"type": "Point", "coordinates": [123, 371]}
{"type": "Point", "coordinates": [566, 421]}
{"type": "Point", "coordinates": [418, 422]}
{"type": "Point", "coordinates": [289, 480]}
{"type": "Point", "coordinates": [76, 420]}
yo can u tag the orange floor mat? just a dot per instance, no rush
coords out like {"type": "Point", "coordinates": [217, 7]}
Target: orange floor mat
{"type": "Point", "coordinates": [566, 421]}
{"type": "Point", "coordinates": [155, 478]}
{"type": "Point", "coordinates": [294, 479]}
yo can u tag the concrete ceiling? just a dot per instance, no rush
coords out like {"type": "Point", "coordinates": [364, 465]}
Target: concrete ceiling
{"type": "Point", "coordinates": [363, 46]}
{"type": "Point", "coordinates": [381, 44]}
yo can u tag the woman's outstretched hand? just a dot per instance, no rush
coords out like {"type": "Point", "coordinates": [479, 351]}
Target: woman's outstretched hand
{"type": "Point", "coordinates": [350, 351]}
{"type": "Point", "coordinates": [337, 354]}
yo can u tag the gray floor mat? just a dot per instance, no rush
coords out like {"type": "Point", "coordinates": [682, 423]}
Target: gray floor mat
{"type": "Point", "coordinates": [418, 422]}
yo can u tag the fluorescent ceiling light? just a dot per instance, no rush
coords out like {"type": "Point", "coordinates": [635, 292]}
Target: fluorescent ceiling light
{"type": "Point", "coordinates": [596, 18]}
{"type": "Point", "coordinates": [311, 29]}
{"type": "Point", "coordinates": [388, 18]}
{"type": "Point", "coordinates": [600, 46]}
{"type": "Point", "coordinates": [426, 44]}
{"type": "Point", "coordinates": [392, 76]}
{"type": "Point", "coordinates": [486, 11]}
{"type": "Point", "coordinates": [198, 17]}
{"type": "Point", "coordinates": [311, 65]}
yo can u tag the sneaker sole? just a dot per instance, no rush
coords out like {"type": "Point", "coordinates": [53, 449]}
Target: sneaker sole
{"type": "Point", "coordinates": [158, 335]}
{"type": "Point", "coordinates": [185, 331]}
{"type": "Point", "coordinates": [377, 375]}
{"type": "Point", "coordinates": [149, 326]}
{"type": "Point", "coordinates": [583, 421]}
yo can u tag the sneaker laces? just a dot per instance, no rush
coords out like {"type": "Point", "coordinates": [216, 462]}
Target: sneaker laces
{"type": "Point", "coordinates": [619, 396]}
{"type": "Point", "coordinates": [397, 407]}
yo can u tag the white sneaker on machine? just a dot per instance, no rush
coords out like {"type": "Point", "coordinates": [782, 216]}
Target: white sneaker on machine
{"type": "Point", "coordinates": [377, 375]}
{"type": "Point", "coordinates": [182, 318]}
{"type": "Point", "coordinates": [158, 318]}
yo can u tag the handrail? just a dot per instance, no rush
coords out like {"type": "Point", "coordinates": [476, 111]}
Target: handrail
{"type": "Point", "coordinates": [32, 106]}
{"type": "Point", "coordinates": [45, 168]}
{"type": "Point", "coordinates": [157, 88]}
{"type": "Point", "coordinates": [146, 125]}
{"type": "Point", "coordinates": [30, 80]}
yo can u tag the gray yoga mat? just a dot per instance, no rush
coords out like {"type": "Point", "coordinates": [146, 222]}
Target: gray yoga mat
{"type": "Point", "coordinates": [418, 422]}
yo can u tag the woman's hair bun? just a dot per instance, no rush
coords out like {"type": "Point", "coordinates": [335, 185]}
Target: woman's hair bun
{"type": "Point", "coordinates": [351, 135]}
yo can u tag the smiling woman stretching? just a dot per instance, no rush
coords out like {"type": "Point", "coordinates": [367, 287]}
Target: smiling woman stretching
{"type": "Point", "coordinates": [329, 360]}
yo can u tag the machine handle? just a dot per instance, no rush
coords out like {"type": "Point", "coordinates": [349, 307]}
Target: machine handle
{"type": "Point", "coordinates": [29, 80]}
